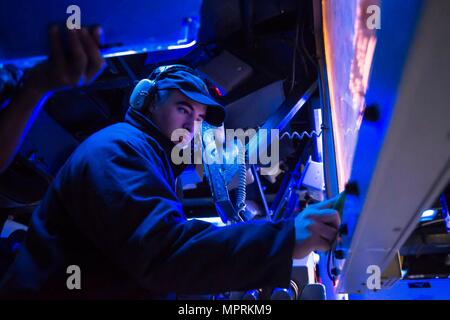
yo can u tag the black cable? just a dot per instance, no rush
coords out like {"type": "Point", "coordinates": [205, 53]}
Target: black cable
{"type": "Point", "coordinates": [294, 52]}
{"type": "Point", "coordinates": [305, 50]}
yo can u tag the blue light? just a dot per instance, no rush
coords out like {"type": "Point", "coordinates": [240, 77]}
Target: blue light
{"type": "Point", "coordinates": [119, 54]}
{"type": "Point", "coordinates": [182, 46]}
{"type": "Point", "coordinates": [428, 215]}
{"type": "Point", "coordinates": [445, 213]}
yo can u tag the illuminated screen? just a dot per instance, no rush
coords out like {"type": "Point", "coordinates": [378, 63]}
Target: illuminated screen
{"type": "Point", "coordinates": [349, 47]}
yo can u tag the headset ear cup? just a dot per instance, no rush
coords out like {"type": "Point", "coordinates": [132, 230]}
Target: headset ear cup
{"type": "Point", "coordinates": [141, 91]}
{"type": "Point", "coordinates": [145, 90]}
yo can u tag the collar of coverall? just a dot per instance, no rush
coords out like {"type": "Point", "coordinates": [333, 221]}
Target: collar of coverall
{"type": "Point", "coordinates": [141, 122]}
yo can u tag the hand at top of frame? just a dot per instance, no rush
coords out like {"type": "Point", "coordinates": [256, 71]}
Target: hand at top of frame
{"type": "Point", "coordinates": [80, 64]}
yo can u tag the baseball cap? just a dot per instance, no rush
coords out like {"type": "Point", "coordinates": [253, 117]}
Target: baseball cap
{"type": "Point", "coordinates": [183, 78]}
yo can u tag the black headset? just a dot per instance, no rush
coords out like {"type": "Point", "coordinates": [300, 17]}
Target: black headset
{"type": "Point", "coordinates": [148, 87]}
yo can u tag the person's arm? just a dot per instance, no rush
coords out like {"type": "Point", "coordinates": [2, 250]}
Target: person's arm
{"type": "Point", "coordinates": [81, 64]}
{"type": "Point", "coordinates": [125, 206]}
{"type": "Point", "coordinates": [15, 120]}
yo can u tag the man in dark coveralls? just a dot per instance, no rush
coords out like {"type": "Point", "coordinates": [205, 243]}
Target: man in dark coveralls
{"type": "Point", "coordinates": [113, 211]}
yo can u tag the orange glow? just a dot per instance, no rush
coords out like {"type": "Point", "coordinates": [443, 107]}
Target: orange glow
{"type": "Point", "coordinates": [349, 48]}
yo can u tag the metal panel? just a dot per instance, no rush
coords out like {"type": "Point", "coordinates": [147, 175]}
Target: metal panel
{"type": "Point", "coordinates": [402, 159]}
{"type": "Point", "coordinates": [130, 26]}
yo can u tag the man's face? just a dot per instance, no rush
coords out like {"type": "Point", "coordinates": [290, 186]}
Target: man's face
{"type": "Point", "coordinates": [177, 112]}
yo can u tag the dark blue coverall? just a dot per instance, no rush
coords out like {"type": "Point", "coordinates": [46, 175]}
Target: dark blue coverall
{"type": "Point", "coordinates": [113, 211]}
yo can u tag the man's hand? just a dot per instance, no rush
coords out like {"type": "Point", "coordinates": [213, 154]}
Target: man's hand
{"type": "Point", "coordinates": [79, 65]}
{"type": "Point", "coordinates": [316, 228]}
